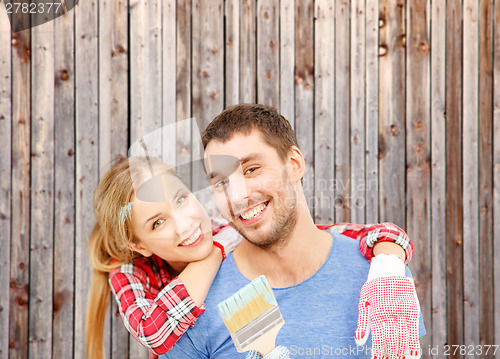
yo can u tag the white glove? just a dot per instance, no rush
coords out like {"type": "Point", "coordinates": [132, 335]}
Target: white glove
{"type": "Point", "coordinates": [228, 238]}
{"type": "Point", "coordinates": [388, 305]}
{"type": "Point", "coordinates": [277, 353]}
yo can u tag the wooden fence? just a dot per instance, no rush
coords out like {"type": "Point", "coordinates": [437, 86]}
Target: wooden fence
{"type": "Point", "coordinates": [396, 105]}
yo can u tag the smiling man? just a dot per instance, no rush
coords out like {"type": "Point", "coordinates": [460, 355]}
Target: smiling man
{"type": "Point", "coordinates": [316, 275]}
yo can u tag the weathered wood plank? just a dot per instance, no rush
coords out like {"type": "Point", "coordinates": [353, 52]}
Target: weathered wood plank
{"type": "Point", "coordinates": [168, 104]}
{"type": "Point", "coordinates": [248, 45]}
{"type": "Point", "coordinates": [87, 159]}
{"type": "Point", "coordinates": [342, 113]}
{"type": "Point", "coordinates": [485, 164]}
{"type": "Point", "coordinates": [20, 205]}
{"type": "Point", "coordinates": [232, 53]}
{"type": "Point", "coordinates": [113, 125]}
{"type": "Point", "coordinates": [356, 201]}
{"type": "Point", "coordinates": [287, 64]}
{"type": "Point", "coordinates": [438, 173]}
{"type": "Point", "coordinates": [304, 91]}
{"type": "Point", "coordinates": [208, 85]}
{"type": "Point", "coordinates": [145, 71]}
{"type": "Point", "coordinates": [146, 82]}
{"type": "Point", "coordinates": [113, 81]}
{"type": "Point", "coordinates": [371, 125]}
{"type": "Point", "coordinates": [418, 189]}
{"type": "Point", "coordinates": [42, 191]}
{"type": "Point", "coordinates": [470, 174]}
{"type": "Point", "coordinates": [183, 87]}
{"type": "Point", "coordinates": [5, 178]}
{"type": "Point", "coordinates": [268, 53]}
{"type": "Point", "coordinates": [391, 112]}
{"type": "Point", "coordinates": [454, 194]}
{"type": "Point", "coordinates": [324, 104]}
{"type": "Point", "coordinates": [496, 172]}
{"type": "Point", "coordinates": [64, 185]}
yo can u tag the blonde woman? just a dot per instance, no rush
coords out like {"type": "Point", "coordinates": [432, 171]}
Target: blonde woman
{"type": "Point", "coordinates": [157, 249]}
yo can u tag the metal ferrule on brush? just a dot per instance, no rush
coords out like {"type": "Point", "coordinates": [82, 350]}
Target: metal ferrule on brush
{"type": "Point", "coordinates": [256, 328]}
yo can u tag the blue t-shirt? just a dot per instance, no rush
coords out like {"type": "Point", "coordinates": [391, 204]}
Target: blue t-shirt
{"type": "Point", "coordinates": [320, 313]}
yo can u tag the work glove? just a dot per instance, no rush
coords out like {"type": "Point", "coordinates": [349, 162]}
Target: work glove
{"type": "Point", "coordinates": [277, 353]}
{"type": "Point", "coordinates": [389, 307]}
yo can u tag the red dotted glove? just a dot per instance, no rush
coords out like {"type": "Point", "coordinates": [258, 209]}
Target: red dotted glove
{"type": "Point", "coordinates": [388, 305]}
{"type": "Point", "coordinates": [277, 353]}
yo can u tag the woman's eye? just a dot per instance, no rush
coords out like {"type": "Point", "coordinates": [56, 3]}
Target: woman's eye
{"type": "Point", "coordinates": [157, 223]}
{"type": "Point", "coordinates": [221, 183]}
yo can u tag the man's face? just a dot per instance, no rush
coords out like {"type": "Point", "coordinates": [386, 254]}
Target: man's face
{"type": "Point", "coordinates": [258, 196]}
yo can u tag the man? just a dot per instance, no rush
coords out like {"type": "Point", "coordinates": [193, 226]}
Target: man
{"type": "Point", "coordinates": [316, 275]}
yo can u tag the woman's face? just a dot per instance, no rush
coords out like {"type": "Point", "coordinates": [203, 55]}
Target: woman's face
{"type": "Point", "coordinates": [167, 220]}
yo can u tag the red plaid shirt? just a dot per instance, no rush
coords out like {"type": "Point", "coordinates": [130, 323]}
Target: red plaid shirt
{"type": "Point", "coordinates": [157, 309]}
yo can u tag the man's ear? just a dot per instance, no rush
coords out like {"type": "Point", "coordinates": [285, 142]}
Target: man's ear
{"type": "Point", "coordinates": [140, 248]}
{"type": "Point", "coordinates": [297, 163]}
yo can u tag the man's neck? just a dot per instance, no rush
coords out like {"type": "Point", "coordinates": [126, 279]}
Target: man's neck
{"type": "Point", "coordinates": [298, 259]}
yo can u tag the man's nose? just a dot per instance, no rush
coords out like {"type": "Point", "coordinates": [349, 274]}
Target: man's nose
{"type": "Point", "coordinates": [237, 193]}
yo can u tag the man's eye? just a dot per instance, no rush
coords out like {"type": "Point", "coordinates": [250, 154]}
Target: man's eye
{"type": "Point", "coordinates": [157, 223]}
{"type": "Point", "coordinates": [250, 170]}
{"type": "Point", "coordinates": [180, 200]}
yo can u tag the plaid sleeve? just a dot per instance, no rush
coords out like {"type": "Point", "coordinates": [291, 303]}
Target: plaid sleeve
{"type": "Point", "coordinates": [156, 321]}
{"type": "Point", "coordinates": [369, 234]}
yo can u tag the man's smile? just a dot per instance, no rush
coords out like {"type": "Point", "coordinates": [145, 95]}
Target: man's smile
{"type": "Point", "coordinates": [253, 214]}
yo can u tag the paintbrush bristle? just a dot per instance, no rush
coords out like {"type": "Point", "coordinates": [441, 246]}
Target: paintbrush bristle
{"type": "Point", "coordinates": [247, 304]}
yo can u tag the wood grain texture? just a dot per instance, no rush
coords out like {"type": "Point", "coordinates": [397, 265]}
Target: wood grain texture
{"type": "Point", "coordinates": [64, 185]}
{"type": "Point", "coordinates": [342, 113]}
{"type": "Point", "coordinates": [42, 191]}
{"type": "Point", "coordinates": [208, 85]}
{"type": "Point", "coordinates": [183, 88]}
{"type": "Point", "coordinates": [248, 51]}
{"type": "Point", "coordinates": [471, 174]}
{"type": "Point", "coordinates": [268, 53]}
{"type": "Point", "coordinates": [496, 173]}
{"type": "Point", "coordinates": [5, 178]}
{"type": "Point", "coordinates": [113, 125]}
{"type": "Point", "coordinates": [485, 164]}
{"type": "Point", "coordinates": [20, 205]}
{"type": "Point", "coordinates": [392, 42]}
{"type": "Point", "coordinates": [232, 53]}
{"type": "Point", "coordinates": [357, 111]}
{"type": "Point", "coordinates": [168, 85]}
{"type": "Point", "coordinates": [304, 91]}
{"type": "Point", "coordinates": [287, 63]}
{"type": "Point", "coordinates": [372, 109]}
{"type": "Point", "coordinates": [454, 193]}
{"type": "Point", "coordinates": [418, 190]}
{"type": "Point", "coordinates": [438, 176]}
{"type": "Point", "coordinates": [87, 157]}
{"type": "Point", "coordinates": [324, 112]}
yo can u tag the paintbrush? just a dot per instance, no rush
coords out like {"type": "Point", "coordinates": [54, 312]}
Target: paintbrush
{"type": "Point", "coordinates": [253, 317]}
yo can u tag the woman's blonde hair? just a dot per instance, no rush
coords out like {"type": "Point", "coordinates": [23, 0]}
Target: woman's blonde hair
{"type": "Point", "coordinates": [110, 238]}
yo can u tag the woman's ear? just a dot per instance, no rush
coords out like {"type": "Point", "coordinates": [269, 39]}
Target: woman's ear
{"type": "Point", "coordinates": [297, 163]}
{"type": "Point", "coordinates": [140, 248]}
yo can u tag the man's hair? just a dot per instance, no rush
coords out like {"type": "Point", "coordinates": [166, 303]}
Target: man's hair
{"type": "Point", "coordinates": [244, 118]}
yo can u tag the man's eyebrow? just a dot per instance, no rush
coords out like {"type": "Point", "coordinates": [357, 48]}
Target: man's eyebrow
{"type": "Point", "coordinates": [250, 157]}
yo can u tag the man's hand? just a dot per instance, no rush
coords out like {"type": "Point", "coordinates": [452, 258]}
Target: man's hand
{"type": "Point", "coordinates": [388, 305]}
{"type": "Point", "coordinates": [277, 353]}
